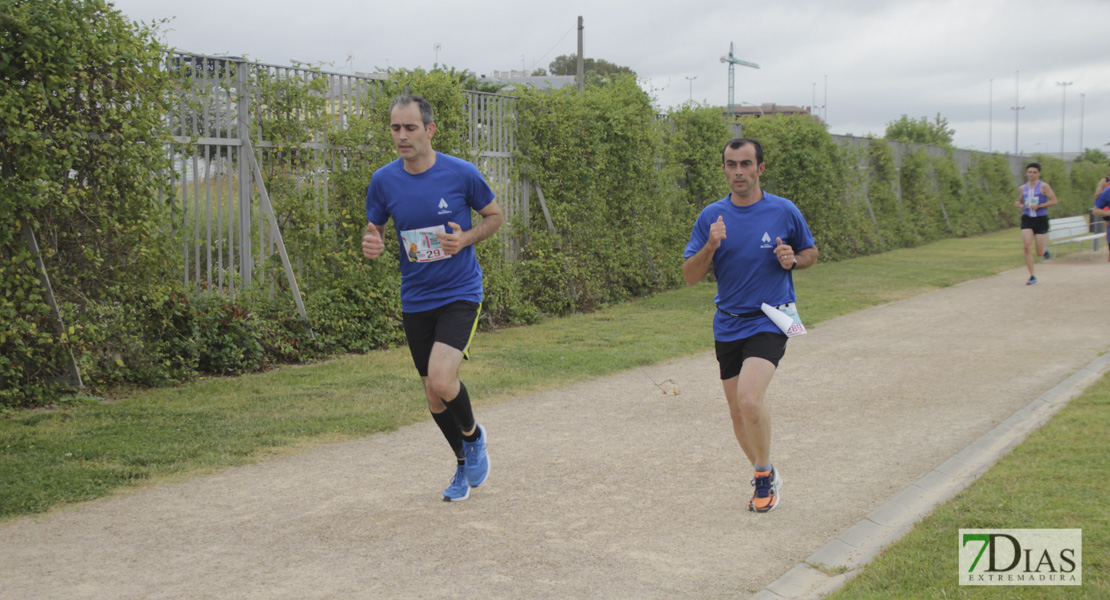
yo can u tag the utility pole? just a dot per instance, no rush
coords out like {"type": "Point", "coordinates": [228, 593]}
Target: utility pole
{"type": "Point", "coordinates": [581, 63]}
{"type": "Point", "coordinates": [816, 110]}
{"type": "Point", "coordinates": [1063, 112]}
{"type": "Point", "coordinates": [732, 62]}
{"type": "Point", "coordinates": [826, 100]}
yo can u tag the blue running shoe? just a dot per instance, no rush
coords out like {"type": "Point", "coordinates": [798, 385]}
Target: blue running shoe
{"type": "Point", "coordinates": [477, 460]}
{"type": "Point", "coordinates": [1047, 254]}
{"type": "Point", "coordinates": [1032, 280]}
{"type": "Point", "coordinates": [459, 490]}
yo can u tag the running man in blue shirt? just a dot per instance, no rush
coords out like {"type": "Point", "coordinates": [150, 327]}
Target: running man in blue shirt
{"type": "Point", "coordinates": [1102, 209]}
{"type": "Point", "coordinates": [753, 240]}
{"type": "Point", "coordinates": [429, 196]}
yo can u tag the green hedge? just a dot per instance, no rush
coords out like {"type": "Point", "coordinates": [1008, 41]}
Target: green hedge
{"type": "Point", "coordinates": [619, 218]}
{"type": "Point", "coordinates": [81, 115]}
{"type": "Point", "coordinates": [83, 157]}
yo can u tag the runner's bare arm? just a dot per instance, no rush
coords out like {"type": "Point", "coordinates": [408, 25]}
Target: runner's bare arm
{"type": "Point", "coordinates": [492, 218]}
{"type": "Point", "coordinates": [1052, 201]}
{"type": "Point", "coordinates": [695, 267]}
{"type": "Point", "coordinates": [455, 240]}
{"type": "Point", "coordinates": [806, 258]}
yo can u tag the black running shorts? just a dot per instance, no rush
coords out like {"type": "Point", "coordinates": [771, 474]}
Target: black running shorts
{"type": "Point", "coordinates": [452, 324]}
{"type": "Point", "coordinates": [1039, 225]}
{"type": "Point", "coordinates": [766, 345]}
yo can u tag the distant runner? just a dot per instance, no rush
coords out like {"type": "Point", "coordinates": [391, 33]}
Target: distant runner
{"type": "Point", "coordinates": [1036, 196]}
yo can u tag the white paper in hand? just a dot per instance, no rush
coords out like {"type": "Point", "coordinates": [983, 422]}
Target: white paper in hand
{"type": "Point", "coordinates": [786, 317]}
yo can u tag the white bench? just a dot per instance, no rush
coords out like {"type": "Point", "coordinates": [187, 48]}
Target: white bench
{"type": "Point", "coordinates": [1074, 230]}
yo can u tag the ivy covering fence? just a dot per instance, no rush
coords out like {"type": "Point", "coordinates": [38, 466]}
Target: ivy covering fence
{"type": "Point", "coordinates": [84, 110]}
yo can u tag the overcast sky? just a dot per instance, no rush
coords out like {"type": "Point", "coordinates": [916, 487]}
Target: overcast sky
{"type": "Point", "coordinates": [880, 59]}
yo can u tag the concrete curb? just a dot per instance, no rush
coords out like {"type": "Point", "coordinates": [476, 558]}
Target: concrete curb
{"type": "Point", "coordinates": [827, 569]}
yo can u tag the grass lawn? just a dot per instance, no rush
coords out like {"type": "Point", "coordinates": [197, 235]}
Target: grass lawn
{"type": "Point", "coordinates": [49, 458]}
{"type": "Point", "coordinates": [1055, 479]}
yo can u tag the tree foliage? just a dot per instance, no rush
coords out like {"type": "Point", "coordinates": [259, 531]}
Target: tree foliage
{"type": "Point", "coordinates": [468, 80]}
{"type": "Point", "coordinates": [567, 64]}
{"type": "Point", "coordinates": [921, 131]}
{"type": "Point", "coordinates": [83, 153]}
{"type": "Point", "coordinates": [1093, 155]}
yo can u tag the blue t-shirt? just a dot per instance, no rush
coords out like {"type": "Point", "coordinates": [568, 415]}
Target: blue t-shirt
{"type": "Point", "coordinates": [1103, 202]}
{"type": "Point", "coordinates": [748, 272]}
{"type": "Point", "coordinates": [420, 204]}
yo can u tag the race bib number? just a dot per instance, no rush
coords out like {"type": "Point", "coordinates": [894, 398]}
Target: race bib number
{"type": "Point", "coordinates": [1030, 201]}
{"type": "Point", "coordinates": [786, 317]}
{"type": "Point", "coordinates": [422, 245]}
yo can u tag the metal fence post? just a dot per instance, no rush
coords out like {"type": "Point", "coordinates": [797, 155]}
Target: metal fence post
{"type": "Point", "coordinates": [74, 375]}
{"type": "Point", "coordinates": [246, 261]}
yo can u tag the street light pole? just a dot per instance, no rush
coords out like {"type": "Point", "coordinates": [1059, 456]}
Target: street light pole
{"type": "Point", "coordinates": [1082, 99]}
{"type": "Point", "coordinates": [1017, 110]}
{"type": "Point", "coordinates": [1063, 112]}
{"type": "Point", "coordinates": [990, 116]}
{"type": "Point", "coordinates": [691, 80]}
{"type": "Point", "coordinates": [825, 107]}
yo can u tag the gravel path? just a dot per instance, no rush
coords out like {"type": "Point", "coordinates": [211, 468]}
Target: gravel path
{"type": "Point", "coordinates": [604, 489]}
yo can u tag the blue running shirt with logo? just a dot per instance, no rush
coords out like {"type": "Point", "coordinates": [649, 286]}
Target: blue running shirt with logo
{"type": "Point", "coordinates": [748, 272]}
{"type": "Point", "coordinates": [1103, 202]}
{"type": "Point", "coordinates": [420, 205]}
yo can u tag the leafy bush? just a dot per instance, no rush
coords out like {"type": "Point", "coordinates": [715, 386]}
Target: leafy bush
{"type": "Point", "coordinates": [597, 157]}
{"type": "Point", "coordinates": [84, 167]}
{"type": "Point", "coordinates": [989, 196]}
{"type": "Point", "coordinates": [81, 113]}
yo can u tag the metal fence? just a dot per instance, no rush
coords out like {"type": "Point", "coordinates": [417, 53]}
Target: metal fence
{"type": "Point", "coordinates": [226, 138]}
{"type": "Point", "coordinates": [493, 134]}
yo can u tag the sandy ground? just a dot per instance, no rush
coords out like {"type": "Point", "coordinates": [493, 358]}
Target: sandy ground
{"type": "Point", "coordinates": [605, 489]}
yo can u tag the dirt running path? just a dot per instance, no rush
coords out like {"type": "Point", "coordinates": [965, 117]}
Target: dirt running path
{"type": "Point", "coordinates": [605, 489]}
